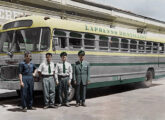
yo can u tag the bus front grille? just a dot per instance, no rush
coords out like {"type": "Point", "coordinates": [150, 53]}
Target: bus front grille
{"type": "Point", "coordinates": [9, 72]}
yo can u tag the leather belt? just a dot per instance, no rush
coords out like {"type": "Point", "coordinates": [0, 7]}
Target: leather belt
{"type": "Point", "coordinates": [63, 76]}
{"type": "Point", "coordinates": [47, 75]}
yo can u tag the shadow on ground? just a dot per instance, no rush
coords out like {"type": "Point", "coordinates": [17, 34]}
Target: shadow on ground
{"type": "Point", "coordinates": [91, 93]}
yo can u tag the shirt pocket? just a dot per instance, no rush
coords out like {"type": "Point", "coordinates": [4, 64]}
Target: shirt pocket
{"type": "Point", "coordinates": [85, 68]}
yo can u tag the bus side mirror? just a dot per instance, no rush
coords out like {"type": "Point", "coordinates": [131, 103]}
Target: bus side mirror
{"type": "Point", "coordinates": [55, 43]}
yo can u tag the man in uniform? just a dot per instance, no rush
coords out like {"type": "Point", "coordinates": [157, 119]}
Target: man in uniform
{"type": "Point", "coordinates": [81, 78]}
{"type": "Point", "coordinates": [26, 72]}
{"type": "Point", "coordinates": [46, 71]}
{"type": "Point", "coordinates": [63, 74]}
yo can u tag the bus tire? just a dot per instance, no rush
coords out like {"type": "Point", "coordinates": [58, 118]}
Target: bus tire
{"type": "Point", "coordinates": [149, 77]}
{"type": "Point", "coordinates": [71, 93]}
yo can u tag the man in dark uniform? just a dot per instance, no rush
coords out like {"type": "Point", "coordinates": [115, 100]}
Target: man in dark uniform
{"type": "Point", "coordinates": [81, 78]}
{"type": "Point", "coordinates": [26, 72]}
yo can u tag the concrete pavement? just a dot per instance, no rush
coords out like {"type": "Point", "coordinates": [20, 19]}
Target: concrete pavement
{"type": "Point", "coordinates": [115, 103]}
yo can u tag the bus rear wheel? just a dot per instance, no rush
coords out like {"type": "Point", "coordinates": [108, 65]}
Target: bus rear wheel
{"type": "Point", "coordinates": [71, 93]}
{"type": "Point", "coordinates": [149, 77]}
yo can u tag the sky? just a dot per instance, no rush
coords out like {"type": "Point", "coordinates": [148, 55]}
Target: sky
{"type": "Point", "coordinates": [149, 8]}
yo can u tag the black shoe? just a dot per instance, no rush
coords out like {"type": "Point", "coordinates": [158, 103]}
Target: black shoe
{"type": "Point", "coordinates": [46, 107]}
{"type": "Point", "coordinates": [59, 105]}
{"type": "Point", "coordinates": [78, 104]}
{"type": "Point", "coordinates": [31, 108]}
{"type": "Point", "coordinates": [83, 104]}
{"type": "Point", "coordinates": [53, 106]}
{"type": "Point", "coordinates": [67, 105]}
{"type": "Point", "coordinates": [24, 109]}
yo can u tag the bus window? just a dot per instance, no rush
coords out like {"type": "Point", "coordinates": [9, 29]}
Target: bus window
{"type": "Point", "coordinates": [27, 39]}
{"type": "Point", "coordinates": [141, 47]}
{"type": "Point", "coordinates": [62, 38]}
{"type": "Point", "coordinates": [114, 44]}
{"type": "Point", "coordinates": [103, 43]}
{"type": "Point", "coordinates": [133, 46]}
{"type": "Point", "coordinates": [155, 47]}
{"type": "Point", "coordinates": [161, 48]}
{"type": "Point", "coordinates": [75, 40]}
{"type": "Point", "coordinates": [5, 42]}
{"type": "Point", "coordinates": [148, 47]}
{"type": "Point", "coordinates": [89, 41]}
{"type": "Point", "coordinates": [124, 45]}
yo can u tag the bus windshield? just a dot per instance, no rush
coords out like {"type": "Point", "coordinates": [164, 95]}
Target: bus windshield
{"type": "Point", "coordinates": [34, 39]}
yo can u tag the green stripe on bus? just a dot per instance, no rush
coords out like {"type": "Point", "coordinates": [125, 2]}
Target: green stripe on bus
{"type": "Point", "coordinates": [159, 76]}
{"type": "Point", "coordinates": [117, 64]}
{"type": "Point", "coordinates": [123, 64]}
{"type": "Point", "coordinates": [118, 82]}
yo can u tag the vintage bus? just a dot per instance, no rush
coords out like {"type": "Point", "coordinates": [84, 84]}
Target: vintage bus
{"type": "Point", "coordinates": [116, 56]}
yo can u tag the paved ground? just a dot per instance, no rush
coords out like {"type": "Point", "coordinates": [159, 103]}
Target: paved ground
{"type": "Point", "coordinates": [114, 103]}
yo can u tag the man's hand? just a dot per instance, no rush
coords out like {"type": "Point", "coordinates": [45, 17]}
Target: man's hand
{"type": "Point", "coordinates": [69, 83]}
{"type": "Point", "coordinates": [21, 84]}
{"type": "Point", "coordinates": [75, 82]}
{"type": "Point", "coordinates": [88, 82]}
{"type": "Point", "coordinates": [57, 82]}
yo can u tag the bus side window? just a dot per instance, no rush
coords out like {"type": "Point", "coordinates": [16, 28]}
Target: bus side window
{"type": "Point", "coordinates": [148, 47]}
{"type": "Point", "coordinates": [55, 43]}
{"type": "Point", "coordinates": [133, 46]}
{"type": "Point", "coordinates": [103, 43]}
{"type": "Point", "coordinates": [161, 48]}
{"type": "Point", "coordinates": [155, 47]}
{"type": "Point", "coordinates": [75, 40]}
{"type": "Point", "coordinates": [62, 39]}
{"type": "Point", "coordinates": [124, 44]}
{"type": "Point", "coordinates": [89, 41]}
{"type": "Point", "coordinates": [141, 47]}
{"type": "Point", "coordinates": [114, 44]}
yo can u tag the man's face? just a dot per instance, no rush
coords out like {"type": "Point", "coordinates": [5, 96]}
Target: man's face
{"type": "Point", "coordinates": [63, 58]}
{"type": "Point", "coordinates": [81, 57]}
{"type": "Point", "coordinates": [48, 58]}
{"type": "Point", "coordinates": [28, 57]}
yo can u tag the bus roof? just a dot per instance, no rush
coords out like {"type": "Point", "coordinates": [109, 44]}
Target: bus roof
{"type": "Point", "coordinates": [42, 21]}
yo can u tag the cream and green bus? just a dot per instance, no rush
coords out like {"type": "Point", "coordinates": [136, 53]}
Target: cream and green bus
{"type": "Point", "coordinates": [116, 56]}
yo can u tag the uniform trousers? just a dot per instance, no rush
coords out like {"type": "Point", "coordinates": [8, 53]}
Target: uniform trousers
{"type": "Point", "coordinates": [27, 91]}
{"type": "Point", "coordinates": [81, 92]}
{"type": "Point", "coordinates": [63, 89]}
{"type": "Point", "coordinates": [49, 90]}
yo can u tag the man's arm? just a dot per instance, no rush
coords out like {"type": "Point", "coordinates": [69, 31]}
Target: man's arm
{"type": "Point", "coordinates": [21, 82]}
{"type": "Point", "coordinates": [20, 74]}
{"type": "Point", "coordinates": [88, 73]}
{"type": "Point", "coordinates": [56, 73]}
{"type": "Point", "coordinates": [70, 73]}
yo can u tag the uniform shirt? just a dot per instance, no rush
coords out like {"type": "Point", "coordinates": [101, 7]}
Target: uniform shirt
{"type": "Point", "coordinates": [59, 70]}
{"type": "Point", "coordinates": [26, 69]}
{"type": "Point", "coordinates": [43, 68]}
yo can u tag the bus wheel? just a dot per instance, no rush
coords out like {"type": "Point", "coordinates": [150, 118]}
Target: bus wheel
{"type": "Point", "coordinates": [71, 93]}
{"type": "Point", "coordinates": [148, 81]}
